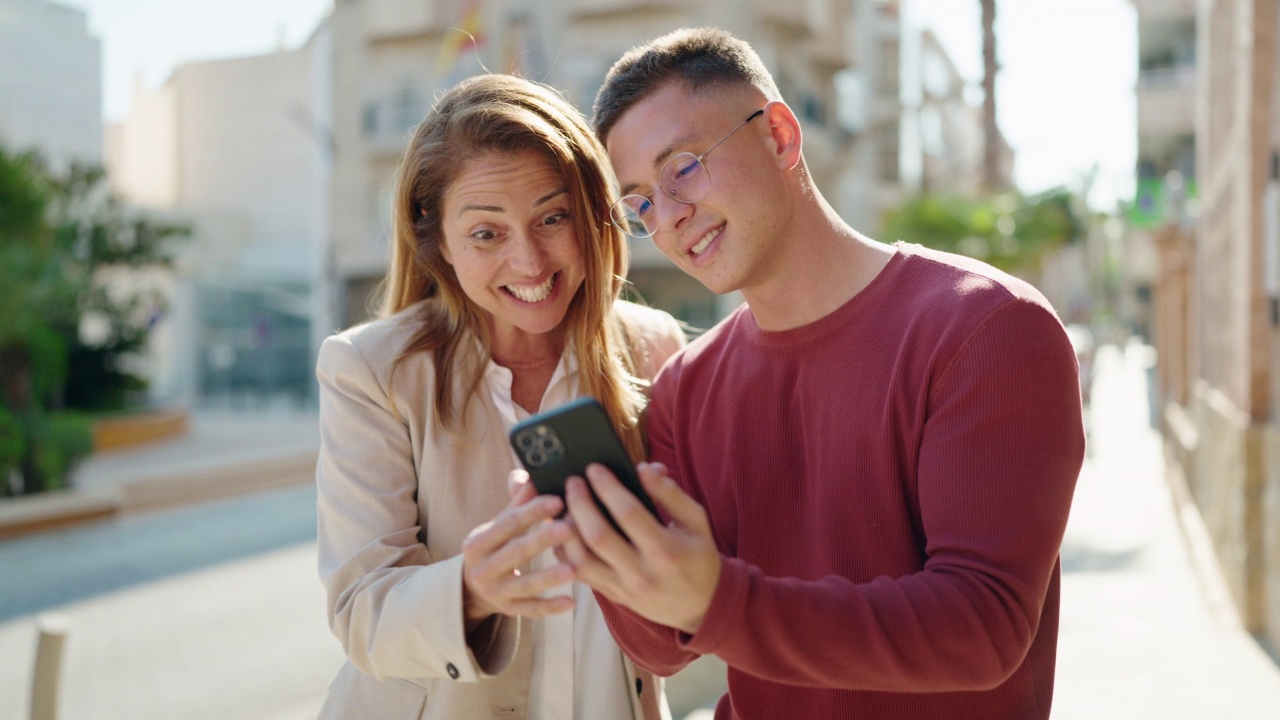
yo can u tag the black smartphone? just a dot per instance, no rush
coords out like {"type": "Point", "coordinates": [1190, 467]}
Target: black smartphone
{"type": "Point", "coordinates": [562, 442]}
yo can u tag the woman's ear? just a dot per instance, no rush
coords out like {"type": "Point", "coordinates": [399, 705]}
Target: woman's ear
{"type": "Point", "coordinates": [784, 129]}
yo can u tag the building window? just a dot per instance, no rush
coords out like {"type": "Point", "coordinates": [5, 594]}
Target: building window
{"type": "Point", "coordinates": [889, 76]}
{"type": "Point", "coordinates": [887, 166]}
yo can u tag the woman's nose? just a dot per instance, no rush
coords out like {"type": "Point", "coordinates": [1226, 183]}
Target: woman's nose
{"type": "Point", "coordinates": [527, 255]}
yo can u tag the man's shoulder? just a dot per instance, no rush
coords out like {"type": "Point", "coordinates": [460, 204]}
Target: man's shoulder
{"type": "Point", "coordinates": [946, 282]}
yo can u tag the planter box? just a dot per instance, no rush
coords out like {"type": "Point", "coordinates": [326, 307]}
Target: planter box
{"type": "Point", "coordinates": [124, 431]}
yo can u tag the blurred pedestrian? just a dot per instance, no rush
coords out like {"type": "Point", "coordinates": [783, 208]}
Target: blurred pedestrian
{"type": "Point", "coordinates": [501, 301]}
{"type": "Point", "coordinates": [870, 462]}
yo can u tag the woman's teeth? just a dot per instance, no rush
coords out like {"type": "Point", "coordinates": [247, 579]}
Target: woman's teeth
{"type": "Point", "coordinates": [705, 241]}
{"type": "Point", "coordinates": [534, 294]}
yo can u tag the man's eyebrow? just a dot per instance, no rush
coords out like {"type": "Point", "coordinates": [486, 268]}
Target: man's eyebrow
{"type": "Point", "coordinates": [661, 158]}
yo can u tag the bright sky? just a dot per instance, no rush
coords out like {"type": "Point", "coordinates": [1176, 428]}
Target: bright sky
{"type": "Point", "coordinates": [1065, 94]}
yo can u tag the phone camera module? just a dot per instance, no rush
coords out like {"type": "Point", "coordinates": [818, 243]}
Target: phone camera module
{"type": "Point", "coordinates": [539, 445]}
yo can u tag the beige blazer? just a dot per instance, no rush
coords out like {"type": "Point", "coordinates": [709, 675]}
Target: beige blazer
{"type": "Point", "coordinates": [397, 496]}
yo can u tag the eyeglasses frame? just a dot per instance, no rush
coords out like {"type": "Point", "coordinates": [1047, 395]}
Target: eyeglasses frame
{"type": "Point", "coordinates": [697, 158]}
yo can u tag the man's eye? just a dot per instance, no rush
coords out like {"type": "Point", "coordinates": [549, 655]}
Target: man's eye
{"type": "Point", "coordinates": [685, 170]}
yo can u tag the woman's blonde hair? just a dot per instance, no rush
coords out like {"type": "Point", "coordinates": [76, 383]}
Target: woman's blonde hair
{"type": "Point", "coordinates": [503, 114]}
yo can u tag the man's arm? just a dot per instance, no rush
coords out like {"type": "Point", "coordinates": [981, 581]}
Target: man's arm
{"type": "Point", "coordinates": [1001, 450]}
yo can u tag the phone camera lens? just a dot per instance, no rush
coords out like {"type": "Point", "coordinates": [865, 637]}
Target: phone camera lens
{"type": "Point", "coordinates": [535, 458]}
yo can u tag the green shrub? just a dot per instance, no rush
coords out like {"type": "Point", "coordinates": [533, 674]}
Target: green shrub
{"type": "Point", "coordinates": [60, 442]}
{"type": "Point", "coordinates": [12, 446]}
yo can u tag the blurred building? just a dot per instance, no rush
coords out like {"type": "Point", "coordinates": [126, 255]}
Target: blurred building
{"type": "Point", "coordinates": [50, 82]}
{"type": "Point", "coordinates": [835, 61]}
{"type": "Point", "coordinates": [240, 149]}
{"type": "Point", "coordinates": [943, 144]}
{"type": "Point", "coordinates": [1166, 171]}
{"type": "Point", "coordinates": [285, 162]}
{"type": "Point", "coordinates": [1218, 294]}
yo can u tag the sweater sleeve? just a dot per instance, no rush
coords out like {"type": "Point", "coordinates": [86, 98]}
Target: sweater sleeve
{"type": "Point", "coordinates": [1000, 452]}
{"type": "Point", "coordinates": [396, 609]}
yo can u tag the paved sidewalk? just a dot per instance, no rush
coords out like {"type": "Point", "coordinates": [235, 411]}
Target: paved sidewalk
{"type": "Point", "coordinates": [1145, 633]}
{"type": "Point", "coordinates": [245, 640]}
{"type": "Point", "coordinates": [222, 455]}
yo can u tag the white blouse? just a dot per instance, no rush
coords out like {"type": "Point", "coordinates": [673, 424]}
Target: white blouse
{"type": "Point", "coordinates": [572, 651]}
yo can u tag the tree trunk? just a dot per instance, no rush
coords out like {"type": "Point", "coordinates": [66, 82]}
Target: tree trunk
{"type": "Point", "coordinates": [991, 176]}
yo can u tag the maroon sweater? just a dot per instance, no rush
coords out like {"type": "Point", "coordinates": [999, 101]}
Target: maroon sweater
{"type": "Point", "coordinates": [889, 488]}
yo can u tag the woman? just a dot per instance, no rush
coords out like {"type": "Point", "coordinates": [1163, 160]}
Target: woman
{"type": "Point", "coordinates": [501, 301]}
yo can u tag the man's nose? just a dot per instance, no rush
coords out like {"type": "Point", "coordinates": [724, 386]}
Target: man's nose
{"type": "Point", "coordinates": [668, 211]}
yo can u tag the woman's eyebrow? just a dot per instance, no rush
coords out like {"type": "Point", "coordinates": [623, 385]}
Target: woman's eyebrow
{"type": "Point", "coordinates": [550, 195]}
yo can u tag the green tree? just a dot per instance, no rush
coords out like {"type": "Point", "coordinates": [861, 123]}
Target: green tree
{"type": "Point", "coordinates": [1008, 230]}
{"type": "Point", "coordinates": [67, 249]}
{"type": "Point", "coordinates": [109, 254]}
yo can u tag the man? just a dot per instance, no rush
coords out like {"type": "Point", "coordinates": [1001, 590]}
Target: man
{"type": "Point", "coordinates": [867, 467]}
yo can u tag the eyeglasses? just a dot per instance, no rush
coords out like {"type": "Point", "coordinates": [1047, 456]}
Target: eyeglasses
{"type": "Point", "coordinates": [683, 178]}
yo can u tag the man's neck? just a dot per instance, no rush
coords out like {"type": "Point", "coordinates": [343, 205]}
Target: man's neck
{"type": "Point", "coordinates": [821, 268]}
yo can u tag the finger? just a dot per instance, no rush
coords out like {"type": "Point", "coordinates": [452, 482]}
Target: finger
{"type": "Point", "coordinates": [515, 520]}
{"type": "Point", "coordinates": [531, 585]}
{"type": "Point", "coordinates": [596, 531]}
{"type": "Point", "coordinates": [588, 568]}
{"type": "Point", "coordinates": [656, 466]}
{"type": "Point", "coordinates": [522, 494]}
{"type": "Point", "coordinates": [497, 566]}
{"type": "Point", "coordinates": [540, 607]}
{"type": "Point", "coordinates": [632, 516]}
{"type": "Point", "coordinates": [517, 479]}
{"type": "Point", "coordinates": [668, 495]}
{"type": "Point", "coordinates": [574, 551]}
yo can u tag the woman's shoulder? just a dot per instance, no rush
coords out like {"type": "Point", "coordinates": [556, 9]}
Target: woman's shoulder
{"type": "Point", "coordinates": [379, 340]}
{"type": "Point", "coordinates": [654, 333]}
{"type": "Point", "coordinates": [650, 322]}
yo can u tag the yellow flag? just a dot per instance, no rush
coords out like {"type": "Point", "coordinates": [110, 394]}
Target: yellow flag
{"type": "Point", "coordinates": [463, 38]}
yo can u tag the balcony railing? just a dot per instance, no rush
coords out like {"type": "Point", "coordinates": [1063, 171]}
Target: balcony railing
{"type": "Point", "coordinates": [1162, 77]}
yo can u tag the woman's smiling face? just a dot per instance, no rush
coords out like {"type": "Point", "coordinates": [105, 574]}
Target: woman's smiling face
{"type": "Point", "coordinates": [511, 242]}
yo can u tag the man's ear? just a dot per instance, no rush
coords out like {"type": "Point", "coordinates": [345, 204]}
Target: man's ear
{"type": "Point", "coordinates": [784, 128]}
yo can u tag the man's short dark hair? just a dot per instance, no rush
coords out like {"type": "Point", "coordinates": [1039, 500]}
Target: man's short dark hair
{"type": "Point", "coordinates": [700, 58]}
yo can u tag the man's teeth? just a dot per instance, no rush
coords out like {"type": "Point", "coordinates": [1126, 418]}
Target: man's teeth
{"type": "Point", "coordinates": [538, 293]}
{"type": "Point", "coordinates": [705, 241]}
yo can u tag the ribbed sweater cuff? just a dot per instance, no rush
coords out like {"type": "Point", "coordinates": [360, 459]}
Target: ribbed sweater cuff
{"type": "Point", "coordinates": [725, 612]}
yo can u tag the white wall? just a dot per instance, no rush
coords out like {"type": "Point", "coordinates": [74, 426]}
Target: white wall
{"type": "Point", "coordinates": [50, 82]}
{"type": "Point", "coordinates": [240, 149]}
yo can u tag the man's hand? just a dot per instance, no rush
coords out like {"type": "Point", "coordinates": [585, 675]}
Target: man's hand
{"type": "Point", "coordinates": [667, 574]}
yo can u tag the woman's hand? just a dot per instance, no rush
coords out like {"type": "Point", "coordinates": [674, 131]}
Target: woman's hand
{"type": "Point", "coordinates": [492, 554]}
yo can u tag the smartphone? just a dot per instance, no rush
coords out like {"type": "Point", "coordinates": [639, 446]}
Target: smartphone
{"type": "Point", "coordinates": [562, 442]}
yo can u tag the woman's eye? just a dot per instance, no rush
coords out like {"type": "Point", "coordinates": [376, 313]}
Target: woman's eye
{"type": "Point", "coordinates": [484, 235]}
{"type": "Point", "coordinates": [555, 218]}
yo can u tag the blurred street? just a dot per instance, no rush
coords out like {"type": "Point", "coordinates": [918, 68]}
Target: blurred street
{"type": "Point", "coordinates": [214, 610]}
